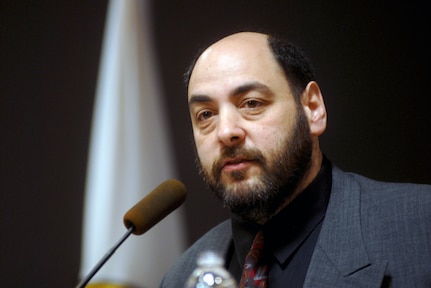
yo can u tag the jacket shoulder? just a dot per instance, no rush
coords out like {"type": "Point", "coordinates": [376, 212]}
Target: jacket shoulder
{"type": "Point", "coordinates": [376, 187]}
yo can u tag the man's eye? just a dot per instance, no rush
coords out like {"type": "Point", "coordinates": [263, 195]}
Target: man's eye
{"type": "Point", "coordinates": [252, 104]}
{"type": "Point", "coordinates": [204, 115]}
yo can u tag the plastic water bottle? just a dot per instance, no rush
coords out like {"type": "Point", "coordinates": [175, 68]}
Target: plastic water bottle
{"type": "Point", "coordinates": [210, 273]}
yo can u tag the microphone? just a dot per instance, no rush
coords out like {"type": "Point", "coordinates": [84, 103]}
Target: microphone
{"type": "Point", "coordinates": [167, 197]}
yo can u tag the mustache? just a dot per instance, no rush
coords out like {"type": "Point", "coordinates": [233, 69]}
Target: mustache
{"type": "Point", "coordinates": [237, 152]}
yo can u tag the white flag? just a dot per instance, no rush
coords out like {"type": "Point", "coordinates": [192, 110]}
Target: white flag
{"type": "Point", "coordinates": [129, 155]}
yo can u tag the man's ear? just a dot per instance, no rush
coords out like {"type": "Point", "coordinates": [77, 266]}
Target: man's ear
{"type": "Point", "coordinates": [314, 107]}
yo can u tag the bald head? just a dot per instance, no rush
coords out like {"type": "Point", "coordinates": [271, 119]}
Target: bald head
{"type": "Point", "coordinates": [239, 43]}
{"type": "Point", "coordinates": [226, 49]}
{"type": "Point", "coordinates": [247, 38]}
{"type": "Point", "coordinates": [296, 68]}
{"type": "Point", "coordinates": [242, 55]}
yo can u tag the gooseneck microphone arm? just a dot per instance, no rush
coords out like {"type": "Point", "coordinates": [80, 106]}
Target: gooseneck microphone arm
{"type": "Point", "coordinates": [167, 197]}
{"type": "Point", "coordinates": [105, 258]}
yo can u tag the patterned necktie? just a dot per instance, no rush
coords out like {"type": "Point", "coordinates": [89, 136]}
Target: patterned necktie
{"type": "Point", "coordinates": [254, 274]}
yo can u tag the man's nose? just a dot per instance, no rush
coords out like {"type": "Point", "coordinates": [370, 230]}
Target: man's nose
{"type": "Point", "coordinates": [229, 128]}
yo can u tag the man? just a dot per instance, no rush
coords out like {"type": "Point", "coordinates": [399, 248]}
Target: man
{"type": "Point", "coordinates": [257, 113]}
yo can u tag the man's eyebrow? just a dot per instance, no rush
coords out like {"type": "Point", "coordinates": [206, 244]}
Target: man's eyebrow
{"type": "Point", "coordinates": [199, 99]}
{"type": "Point", "coordinates": [257, 86]}
{"type": "Point", "coordinates": [250, 86]}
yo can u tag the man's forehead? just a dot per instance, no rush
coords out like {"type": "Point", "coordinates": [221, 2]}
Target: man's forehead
{"type": "Point", "coordinates": [245, 48]}
{"type": "Point", "coordinates": [233, 61]}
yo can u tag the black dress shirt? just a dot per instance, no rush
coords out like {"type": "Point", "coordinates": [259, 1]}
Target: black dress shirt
{"type": "Point", "coordinates": [290, 237]}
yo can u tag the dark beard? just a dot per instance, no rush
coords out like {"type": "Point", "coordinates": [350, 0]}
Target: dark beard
{"type": "Point", "coordinates": [286, 167]}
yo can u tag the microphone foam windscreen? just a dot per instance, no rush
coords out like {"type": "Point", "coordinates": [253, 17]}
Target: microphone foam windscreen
{"type": "Point", "coordinates": [167, 197]}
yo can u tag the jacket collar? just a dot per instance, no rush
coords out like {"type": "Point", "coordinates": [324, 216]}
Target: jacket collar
{"type": "Point", "coordinates": [340, 258]}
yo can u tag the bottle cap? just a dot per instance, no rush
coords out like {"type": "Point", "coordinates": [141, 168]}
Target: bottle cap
{"type": "Point", "coordinates": [210, 258]}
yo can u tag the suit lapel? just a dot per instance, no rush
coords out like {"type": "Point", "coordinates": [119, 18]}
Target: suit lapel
{"type": "Point", "coordinates": [340, 258]}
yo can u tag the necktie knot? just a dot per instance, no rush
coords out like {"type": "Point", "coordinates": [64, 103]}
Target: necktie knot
{"type": "Point", "coordinates": [255, 270]}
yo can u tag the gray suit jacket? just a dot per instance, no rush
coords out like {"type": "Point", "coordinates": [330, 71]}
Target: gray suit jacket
{"type": "Point", "coordinates": [374, 234]}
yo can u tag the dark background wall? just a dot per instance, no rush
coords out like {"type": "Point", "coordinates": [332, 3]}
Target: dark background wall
{"type": "Point", "coordinates": [372, 60]}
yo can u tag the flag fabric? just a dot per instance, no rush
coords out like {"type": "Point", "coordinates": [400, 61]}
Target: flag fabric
{"type": "Point", "coordinates": [129, 155]}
